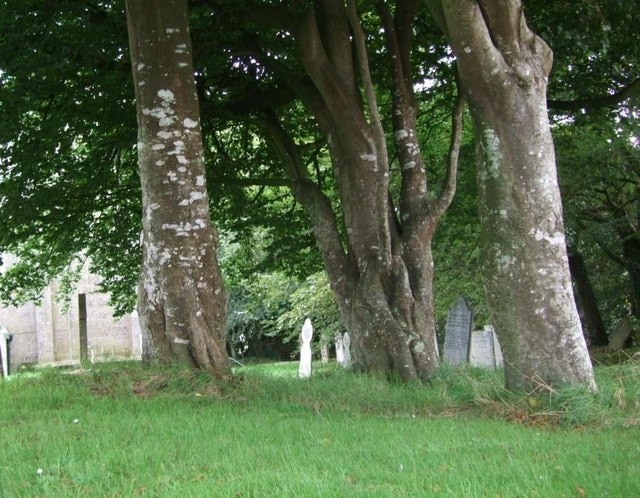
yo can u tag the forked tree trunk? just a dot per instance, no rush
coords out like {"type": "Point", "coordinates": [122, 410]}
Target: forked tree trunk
{"type": "Point", "coordinates": [181, 301]}
{"type": "Point", "coordinates": [382, 270]}
{"type": "Point", "coordinates": [504, 69]}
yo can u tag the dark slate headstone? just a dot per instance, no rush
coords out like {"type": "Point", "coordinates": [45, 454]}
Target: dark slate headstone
{"type": "Point", "coordinates": [458, 333]}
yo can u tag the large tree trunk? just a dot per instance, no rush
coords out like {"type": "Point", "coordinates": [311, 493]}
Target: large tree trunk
{"type": "Point", "coordinates": [504, 69]}
{"type": "Point", "coordinates": [382, 270]}
{"type": "Point", "coordinates": [181, 300]}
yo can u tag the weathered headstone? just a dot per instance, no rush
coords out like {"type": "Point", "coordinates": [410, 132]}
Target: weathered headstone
{"type": "Point", "coordinates": [346, 344]}
{"type": "Point", "coordinates": [457, 333]}
{"type": "Point", "coordinates": [304, 370]}
{"type": "Point", "coordinates": [485, 349]}
{"type": "Point", "coordinates": [621, 335]}
{"type": "Point", "coordinates": [339, 348]}
{"type": "Point", "coordinates": [324, 353]}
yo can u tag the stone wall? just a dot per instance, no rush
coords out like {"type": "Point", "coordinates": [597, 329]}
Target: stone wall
{"type": "Point", "coordinates": [49, 332]}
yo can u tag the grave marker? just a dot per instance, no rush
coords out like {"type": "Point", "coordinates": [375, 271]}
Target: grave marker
{"type": "Point", "coordinates": [346, 343]}
{"type": "Point", "coordinates": [82, 326]}
{"type": "Point", "coordinates": [304, 370]}
{"type": "Point", "coordinates": [324, 353]}
{"type": "Point", "coordinates": [458, 333]}
{"type": "Point", "coordinates": [5, 338]}
{"type": "Point", "coordinates": [339, 348]}
{"type": "Point", "coordinates": [485, 349]}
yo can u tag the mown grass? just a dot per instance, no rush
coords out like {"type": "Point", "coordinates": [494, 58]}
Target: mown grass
{"type": "Point", "coordinates": [132, 430]}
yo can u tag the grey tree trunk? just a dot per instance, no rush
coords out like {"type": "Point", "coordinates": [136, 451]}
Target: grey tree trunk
{"type": "Point", "coordinates": [181, 300]}
{"type": "Point", "coordinates": [504, 69]}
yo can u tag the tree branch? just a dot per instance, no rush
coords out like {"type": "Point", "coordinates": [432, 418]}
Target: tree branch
{"type": "Point", "coordinates": [317, 204]}
{"type": "Point", "coordinates": [365, 74]}
{"type": "Point", "coordinates": [632, 90]}
{"type": "Point", "coordinates": [609, 253]}
{"type": "Point", "coordinates": [379, 139]}
{"type": "Point", "coordinates": [441, 205]}
{"type": "Point", "coordinates": [336, 38]}
{"type": "Point", "coordinates": [336, 96]}
{"type": "Point", "coordinates": [505, 22]}
{"type": "Point", "coordinates": [250, 182]}
{"type": "Point", "coordinates": [406, 11]}
{"type": "Point", "coordinates": [469, 35]}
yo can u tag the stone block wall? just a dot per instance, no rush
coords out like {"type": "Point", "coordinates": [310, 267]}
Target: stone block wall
{"type": "Point", "coordinates": [48, 333]}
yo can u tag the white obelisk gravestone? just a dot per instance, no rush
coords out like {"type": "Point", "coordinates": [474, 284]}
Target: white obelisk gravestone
{"type": "Point", "coordinates": [346, 344]}
{"type": "Point", "coordinates": [339, 349]}
{"type": "Point", "coordinates": [304, 371]}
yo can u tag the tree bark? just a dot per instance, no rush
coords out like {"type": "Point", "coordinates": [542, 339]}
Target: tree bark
{"type": "Point", "coordinates": [181, 300]}
{"type": "Point", "coordinates": [504, 69]}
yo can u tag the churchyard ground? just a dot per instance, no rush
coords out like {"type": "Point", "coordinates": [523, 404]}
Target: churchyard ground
{"type": "Point", "coordinates": [124, 429]}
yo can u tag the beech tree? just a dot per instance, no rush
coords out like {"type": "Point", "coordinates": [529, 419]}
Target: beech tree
{"type": "Point", "coordinates": [181, 300]}
{"type": "Point", "coordinates": [380, 268]}
{"type": "Point", "coordinates": [69, 184]}
{"type": "Point", "coordinates": [598, 165]}
{"type": "Point", "coordinates": [504, 68]}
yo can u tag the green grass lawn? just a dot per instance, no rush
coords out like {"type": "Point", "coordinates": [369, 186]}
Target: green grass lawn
{"type": "Point", "coordinates": [129, 430]}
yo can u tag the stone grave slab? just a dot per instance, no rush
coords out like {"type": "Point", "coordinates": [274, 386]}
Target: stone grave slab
{"type": "Point", "coordinates": [485, 349]}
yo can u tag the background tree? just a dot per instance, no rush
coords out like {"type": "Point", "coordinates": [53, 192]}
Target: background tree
{"type": "Point", "coordinates": [593, 96]}
{"type": "Point", "coordinates": [599, 172]}
{"type": "Point", "coordinates": [181, 299]}
{"type": "Point", "coordinates": [456, 248]}
{"type": "Point", "coordinates": [68, 180]}
{"type": "Point", "coordinates": [268, 306]}
{"type": "Point", "coordinates": [313, 299]}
